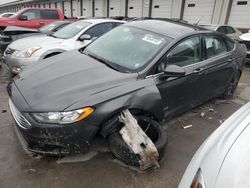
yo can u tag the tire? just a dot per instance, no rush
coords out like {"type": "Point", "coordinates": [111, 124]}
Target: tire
{"type": "Point", "coordinates": [230, 90]}
{"type": "Point", "coordinates": [155, 132]}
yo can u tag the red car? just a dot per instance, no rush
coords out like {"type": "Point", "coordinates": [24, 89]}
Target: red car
{"type": "Point", "coordinates": [32, 18]}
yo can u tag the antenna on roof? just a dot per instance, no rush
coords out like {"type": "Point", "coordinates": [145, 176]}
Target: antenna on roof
{"type": "Point", "coordinates": [199, 20]}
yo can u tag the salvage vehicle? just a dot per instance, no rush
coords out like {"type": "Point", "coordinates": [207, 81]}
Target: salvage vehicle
{"type": "Point", "coordinates": [245, 39]}
{"type": "Point", "coordinates": [32, 18]}
{"type": "Point", "coordinates": [223, 158]}
{"type": "Point", "coordinates": [12, 33]}
{"type": "Point", "coordinates": [7, 14]}
{"type": "Point", "coordinates": [24, 52]}
{"type": "Point", "coordinates": [228, 30]}
{"type": "Point", "coordinates": [155, 69]}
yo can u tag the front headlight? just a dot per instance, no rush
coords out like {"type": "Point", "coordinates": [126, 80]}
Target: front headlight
{"type": "Point", "coordinates": [63, 117]}
{"type": "Point", "coordinates": [27, 52]}
{"type": "Point", "coordinates": [198, 181]}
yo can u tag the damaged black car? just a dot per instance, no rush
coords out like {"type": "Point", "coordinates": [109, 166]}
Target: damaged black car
{"type": "Point", "coordinates": [157, 69]}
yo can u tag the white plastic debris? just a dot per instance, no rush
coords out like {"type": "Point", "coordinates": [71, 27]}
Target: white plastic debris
{"type": "Point", "coordinates": [138, 141]}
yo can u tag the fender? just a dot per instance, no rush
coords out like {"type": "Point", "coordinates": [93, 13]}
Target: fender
{"type": "Point", "coordinates": [147, 100]}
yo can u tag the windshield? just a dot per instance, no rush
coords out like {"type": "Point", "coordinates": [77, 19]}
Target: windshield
{"type": "Point", "coordinates": [128, 47]}
{"type": "Point", "coordinates": [49, 27]}
{"type": "Point", "coordinates": [71, 30]}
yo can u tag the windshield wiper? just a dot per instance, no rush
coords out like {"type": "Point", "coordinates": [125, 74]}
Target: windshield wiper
{"type": "Point", "coordinates": [102, 61]}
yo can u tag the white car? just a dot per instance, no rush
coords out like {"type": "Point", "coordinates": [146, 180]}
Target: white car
{"type": "Point", "coordinates": [7, 14]}
{"type": "Point", "coordinates": [223, 160]}
{"type": "Point", "coordinates": [228, 30]}
{"type": "Point", "coordinates": [245, 39]}
{"type": "Point", "coordinates": [24, 52]}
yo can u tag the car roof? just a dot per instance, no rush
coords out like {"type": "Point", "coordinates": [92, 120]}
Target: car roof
{"type": "Point", "coordinates": [96, 21]}
{"type": "Point", "coordinates": [168, 27]}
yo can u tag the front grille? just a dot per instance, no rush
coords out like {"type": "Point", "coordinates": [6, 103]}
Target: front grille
{"type": "Point", "coordinates": [19, 118]}
{"type": "Point", "coordinates": [9, 51]}
{"type": "Point", "coordinates": [247, 43]}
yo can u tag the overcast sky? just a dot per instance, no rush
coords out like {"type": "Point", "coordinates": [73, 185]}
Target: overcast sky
{"type": "Point", "coordinates": [5, 1]}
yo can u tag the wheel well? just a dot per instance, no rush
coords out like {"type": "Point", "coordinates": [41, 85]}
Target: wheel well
{"type": "Point", "coordinates": [51, 54]}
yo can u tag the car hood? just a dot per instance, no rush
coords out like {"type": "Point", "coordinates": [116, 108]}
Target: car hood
{"type": "Point", "coordinates": [11, 29]}
{"type": "Point", "coordinates": [65, 79]}
{"type": "Point", "coordinates": [245, 36]}
{"type": "Point", "coordinates": [211, 155]}
{"type": "Point", "coordinates": [33, 41]}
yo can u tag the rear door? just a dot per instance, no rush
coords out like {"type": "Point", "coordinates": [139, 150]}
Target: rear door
{"type": "Point", "coordinates": [48, 16]}
{"type": "Point", "coordinates": [218, 66]}
{"type": "Point", "coordinates": [179, 94]}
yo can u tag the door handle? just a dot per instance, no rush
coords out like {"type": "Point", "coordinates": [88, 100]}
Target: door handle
{"type": "Point", "coordinates": [41, 23]}
{"type": "Point", "coordinates": [198, 70]}
{"type": "Point", "coordinates": [230, 60]}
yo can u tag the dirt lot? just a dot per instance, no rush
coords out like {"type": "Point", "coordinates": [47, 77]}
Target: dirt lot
{"type": "Point", "coordinates": [99, 168]}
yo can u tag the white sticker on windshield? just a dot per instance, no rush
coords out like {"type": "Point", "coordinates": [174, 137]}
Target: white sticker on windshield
{"type": "Point", "coordinates": [152, 39]}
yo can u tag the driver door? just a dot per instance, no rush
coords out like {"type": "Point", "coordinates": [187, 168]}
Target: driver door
{"type": "Point", "coordinates": [34, 20]}
{"type": "Point", "coordinates": [180, 94]}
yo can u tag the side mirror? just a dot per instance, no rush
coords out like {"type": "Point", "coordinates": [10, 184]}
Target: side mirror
{"type": "Point", "coordinates": [23, 17]}
{"type": "Point", "coordinates": [174, 71]}
{"type": "Point", "coordinates": [85, 37]}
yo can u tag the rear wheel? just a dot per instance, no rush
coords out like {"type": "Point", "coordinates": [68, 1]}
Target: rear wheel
{"type": "Point", "coordinates": [152, 129]}
{"type": "Point", "coordinates": [229, 92]}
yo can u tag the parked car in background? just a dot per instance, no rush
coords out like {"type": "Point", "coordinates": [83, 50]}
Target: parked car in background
{"type": "Point", "coordinates": [24, 52]}
{"type": "Point", "coordinates": [62, 103]}
{"type": "Point", "coordinates": [245, 39]}
{"type": "Point", "coordinates": [7, 14]}
{"type": "Point", "coordinates": [32, 18]}
{"type": "Point", "coordinates": [12, 33]}
{"type": "Point", "coordinates": [228, 30]}
{"type": "Point", "coordinates": [223, 158]}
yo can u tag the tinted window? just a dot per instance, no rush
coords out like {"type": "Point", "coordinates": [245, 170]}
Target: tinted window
{"type": "Point", "coordinates": [214, 46]}
{"type": "Point", "coordinates": [230, 30]}
{"type": "Point", "coordinates": [100, 29]}
{"type": "Point", "coordinates": [185, 53]}
{"type": "Point", "coordinates": [32, 14]}
{"type": "Point", "coordinates": [222, 29]}
{"type": "Point", "coordinates": [49, 14]}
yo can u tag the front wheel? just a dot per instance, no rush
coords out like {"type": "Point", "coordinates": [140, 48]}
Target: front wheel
{"type": "Point", "coordinates": [152, 129]}
{"type": "Point", "coordinates": [229, 92]}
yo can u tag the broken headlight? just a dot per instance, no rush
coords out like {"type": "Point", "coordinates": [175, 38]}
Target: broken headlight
{"type": "Point", "coordinates": [198, 181]}
{"type": "Point", "coordinates": [63, 117]}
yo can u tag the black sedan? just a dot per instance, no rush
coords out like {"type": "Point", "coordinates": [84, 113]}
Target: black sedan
{"type": "Point", "coordinates": [156, 69]}
{"type": "Point", "coordinates": [12, 33]}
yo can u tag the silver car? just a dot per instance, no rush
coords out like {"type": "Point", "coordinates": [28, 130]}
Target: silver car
{"type": "Point", "coordinates": [228, 30]}
{"type": "Point", "coordinates": [24, 52]}
{"type": "Point", "coordinates": [223, 160]}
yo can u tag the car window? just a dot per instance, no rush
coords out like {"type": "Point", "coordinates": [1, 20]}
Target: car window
{"type": "Point", "coordinates": [71, 30]}
{"type": "Point", "coordinates": [32, 14]}
{"type": "Point", "coordinates": [230, 44]}
{"type": "Point", "coordinates": [214, 46]}
{"type": "Point", "coordinates": [230, 30]}
{"type": "Point", "coordinates": [128, 48]}
{"type": "Point", "coordinates": [100, 29]}
{"type": "Point", "coordinates": [49, 14]}
{"type": "Point", "coordinates": [185, 53]}
{"type": "Point", "coordinates": [222, 29]}
{"type": "Point", "coordinates": [115, 24]}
